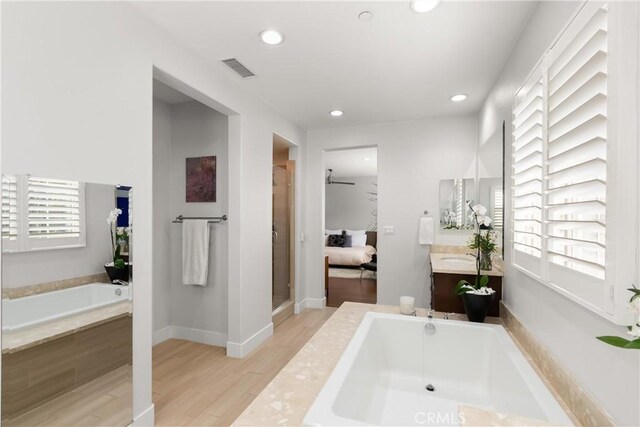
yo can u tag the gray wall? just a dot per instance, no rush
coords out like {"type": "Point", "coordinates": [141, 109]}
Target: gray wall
{"type": "Point", "coordinates": [565, 328]}
{"type": "Point", "coordinates": [349, 206]}
{"type": "Point", "coordinates": [31, 268]}
{"type": "Point", "coordinates": [183, 130]}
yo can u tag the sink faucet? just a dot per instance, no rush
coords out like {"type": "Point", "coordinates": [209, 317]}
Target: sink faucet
{"type": "Point", "coordinates": [120, 282]}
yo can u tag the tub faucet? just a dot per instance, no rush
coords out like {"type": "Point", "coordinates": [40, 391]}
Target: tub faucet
{"type": "Point", "coordinates": [430, 314]}
{"type": "Point", "coordinates": [120, 282]}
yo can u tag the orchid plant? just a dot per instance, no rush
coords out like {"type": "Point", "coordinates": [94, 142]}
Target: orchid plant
{"type": "Point", "coordinates": [480, 286]}
{"type": "Point", "coordinates": [112, 221]}
{"type": "Point", "coordinates": [634, 330]}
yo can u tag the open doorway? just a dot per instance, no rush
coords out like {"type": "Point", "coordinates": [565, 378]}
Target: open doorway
{"type": "Point", "coordinates": [283, 230]}
{"type": "Point", "coordinates": [351, 226]}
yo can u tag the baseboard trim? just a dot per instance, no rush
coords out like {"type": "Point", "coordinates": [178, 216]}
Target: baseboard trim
{"type": "Point", "coordinates": [240, 350]}
{"type": "Point", "coordinates": [190, 334]}
{"type": "Point", "coordinates": [146, 418]}
{"type": "Point", "coordinates": [315, 303]}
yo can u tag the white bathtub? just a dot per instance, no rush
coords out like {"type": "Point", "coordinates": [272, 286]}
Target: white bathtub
{"type": "Point", "coordinates": [20, 313]}
{"type": "Point", "coordinates": [381, 377]}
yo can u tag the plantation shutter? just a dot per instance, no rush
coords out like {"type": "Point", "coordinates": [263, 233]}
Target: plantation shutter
{"type": "Point", "coordinates": [10, 224]}
{"type": "Point", "coordinates": [497, 200]}
{"type": "Point", "coordinates": [56, 214]}
{"type": "Point", "coordinates": [577, 151]}
{"type": "Point", "coordinates": [527, 173]}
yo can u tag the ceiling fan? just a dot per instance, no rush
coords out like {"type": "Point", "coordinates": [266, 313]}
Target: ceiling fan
{"type": "Point", "coordinates": [331, 181]}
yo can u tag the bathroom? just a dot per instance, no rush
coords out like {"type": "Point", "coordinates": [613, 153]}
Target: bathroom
{"type": "Point", "coordinates": [78, 86]}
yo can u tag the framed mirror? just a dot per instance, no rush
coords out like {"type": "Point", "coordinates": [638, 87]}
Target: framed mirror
{"type": "Point", "coordinates": [66, 303]}
{"type": "Point", "coordinates": [455, 196]}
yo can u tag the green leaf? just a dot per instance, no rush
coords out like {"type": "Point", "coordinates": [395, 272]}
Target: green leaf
{"type": "Point", "coordinates": [484, 281]}
{"type": "Point", "coordinates": [462, 287]}
{"type": "Point", "coordinates": [119, 264]}
{"type": "Point", "coordinates": [635, 344]}
{"type": "Point", "coordinates": [621, 342]}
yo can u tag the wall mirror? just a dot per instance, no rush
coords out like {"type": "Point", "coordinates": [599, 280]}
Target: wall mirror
{"type": "Point", "coordinates": [455, 196]}
{"type": "Point", "coordinates": [66, 302]}
{"type": "Point", "coordinates": [491, 178]}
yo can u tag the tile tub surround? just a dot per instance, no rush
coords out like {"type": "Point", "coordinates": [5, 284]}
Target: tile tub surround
{"type": "Point", "coordinates": [40, 373]}
{"type": "Point", "coordinates": [22, 339]}
{"type": "Point", "coordinates": [54, 286]}
{"type": "Point", "coordinates": [580, 404]}
{"type": "Point", "coordinates": [287, 398]}
{"type": "Point", "coordinates": [439, 264]}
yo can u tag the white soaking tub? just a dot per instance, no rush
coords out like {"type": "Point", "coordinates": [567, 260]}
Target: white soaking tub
{"type": "Point", "coordinates": [382, 376]}
{"type": "Point", "coordinates": [25, 312]}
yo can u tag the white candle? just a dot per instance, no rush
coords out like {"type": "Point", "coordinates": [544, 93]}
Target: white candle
{"type": "Point", "coordinates": [407, 305]}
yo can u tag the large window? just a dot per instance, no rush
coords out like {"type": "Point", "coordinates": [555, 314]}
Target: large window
{"type": "Point", "coordinates": [39, 213]}
{"type": "Point", "coordinates": [561, 171]}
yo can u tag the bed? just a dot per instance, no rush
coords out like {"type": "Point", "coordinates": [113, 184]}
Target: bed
{"type": "Point", "coordinates": [349, 257]}
{"type": "Point", "coordinates": [352, 257]}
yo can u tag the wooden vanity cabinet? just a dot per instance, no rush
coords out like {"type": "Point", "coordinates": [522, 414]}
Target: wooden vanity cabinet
{"type": "Point", "coordinates": [444, 299]}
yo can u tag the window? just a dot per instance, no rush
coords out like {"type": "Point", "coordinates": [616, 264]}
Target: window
{"type": "Point", "coordinates": [561, 149]}
{"type": "Point", "coordinates": [40, 213]}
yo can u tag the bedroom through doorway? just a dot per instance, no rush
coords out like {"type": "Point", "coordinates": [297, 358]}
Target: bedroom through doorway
{"type": "Point", "coordinates": [351, 225]}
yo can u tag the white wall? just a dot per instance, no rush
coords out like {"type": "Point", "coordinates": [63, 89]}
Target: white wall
{"type": "Point", "coordinates": [162, 225]}
{"type": "Point", "coordinates": [350, 206]}
{"type": "Point", "coordinates": [77, 79]}
{"type": "Point", "coordinates": [610, 375]}
{"type": "Point", "coordinates": [413, 157]}
{"type": "Point", "coordinates": [198, 130]}
{"type": "Point", "coordinates": [36, 267]}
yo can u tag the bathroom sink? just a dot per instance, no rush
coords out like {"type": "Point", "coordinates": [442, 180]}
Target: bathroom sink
{"type": "Point", "coordinates": [458, 261]}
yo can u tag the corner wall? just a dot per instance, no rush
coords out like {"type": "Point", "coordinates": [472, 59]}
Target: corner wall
{"type": "Point", "coordinates": [565, 328]}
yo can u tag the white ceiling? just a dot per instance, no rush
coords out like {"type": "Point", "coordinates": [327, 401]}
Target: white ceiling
{"type": "Point", "coordinates": [352, 163]}
{"type": "Point", "coordinates": [398, 66]}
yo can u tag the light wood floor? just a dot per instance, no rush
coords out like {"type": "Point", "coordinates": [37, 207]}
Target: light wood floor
{"type": "Point", "coordinates": [197, 385]}
{"type": "Point", "coordinates": [105, 401]}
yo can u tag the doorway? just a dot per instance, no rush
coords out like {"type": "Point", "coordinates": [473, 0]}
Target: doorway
{"type": "Point", "coordinates": [283, 230]}
{"type": "Point", "coordinates": [351, 226]}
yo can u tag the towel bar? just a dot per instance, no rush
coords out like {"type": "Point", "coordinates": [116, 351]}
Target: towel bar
{"type": "Point", "coordinates": [212, 219]}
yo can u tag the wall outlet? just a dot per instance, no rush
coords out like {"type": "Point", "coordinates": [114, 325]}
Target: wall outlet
{"type": "Point", "coordinates": [389, 229]}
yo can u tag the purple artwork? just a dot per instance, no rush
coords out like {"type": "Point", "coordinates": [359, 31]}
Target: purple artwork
{"type": "Point", "coordinates": [201, 179]}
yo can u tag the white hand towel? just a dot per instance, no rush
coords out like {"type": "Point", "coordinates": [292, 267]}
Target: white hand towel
{"type": "Point", "coordinates": [425, 231]}
{"type": "Point", "coordinates": [195, 252]}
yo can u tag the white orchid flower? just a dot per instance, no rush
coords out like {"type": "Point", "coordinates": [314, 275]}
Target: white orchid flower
{"type": "Point", "coordinates": [635, 330]}
{"type": "Point", "coordinates": [479, 210]}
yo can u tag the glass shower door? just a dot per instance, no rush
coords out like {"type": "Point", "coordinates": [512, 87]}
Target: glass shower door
{"type": "Point", "coordinates": [280, 237]}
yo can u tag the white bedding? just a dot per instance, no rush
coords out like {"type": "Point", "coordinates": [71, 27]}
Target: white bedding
{"type": "Point", "coordinates": [349, 256]}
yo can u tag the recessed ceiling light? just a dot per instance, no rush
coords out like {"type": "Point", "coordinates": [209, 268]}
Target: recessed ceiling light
{"type": "Point", "coordinates": [365, 16]}
{"type": "Point", "coordinates": [424, 6]}
{"type": "Point", "coordinates": [271, 37]}
{"type": "Point", "coordinates": [458, 98]}
{"type": "Point", "coordinates": [336, 113]}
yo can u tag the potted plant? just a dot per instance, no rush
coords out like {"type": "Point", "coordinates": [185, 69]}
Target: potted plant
{"type": "Point", "coordinates": [477, 296]}
{"type": "Point", "coordinates": [117, 269]}
{"type": "Point", "coordinates": [485, 243]}
{"type": "Point", "coordinates": [634, 330]}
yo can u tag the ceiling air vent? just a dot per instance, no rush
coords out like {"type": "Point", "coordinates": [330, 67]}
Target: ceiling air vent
{"type": "Point", "coordinates": [237, 66]}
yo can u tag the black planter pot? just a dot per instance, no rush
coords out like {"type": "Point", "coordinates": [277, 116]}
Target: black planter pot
{"type": "Point", "coordinates": [476, 306]}
{"type": "Point", "coordinates": [118, 273]}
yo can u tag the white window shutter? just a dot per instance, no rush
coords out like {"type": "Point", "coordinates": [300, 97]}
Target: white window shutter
{"type": "Point", "coordinates": [527, 174]}
{"type": "Point", "coordinates": [55, 213]}
{"type": "Point", "coordinates": [10, 211]}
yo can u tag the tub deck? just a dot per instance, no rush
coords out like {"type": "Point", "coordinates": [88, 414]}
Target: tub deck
{"type": "Point", "coordinates": [286, 400]}
{"type": "Point", "coordinates": [13, 342]}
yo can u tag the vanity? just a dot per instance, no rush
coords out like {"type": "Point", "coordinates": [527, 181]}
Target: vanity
{"type": "Point", "coordinates": [447, 269]}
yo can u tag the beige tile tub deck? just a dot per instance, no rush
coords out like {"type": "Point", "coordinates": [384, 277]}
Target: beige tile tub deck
{"type": "Point", "coordinates": [286, 400]}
